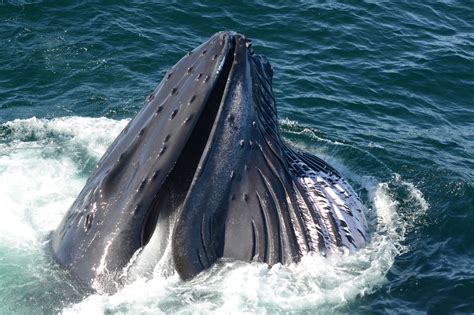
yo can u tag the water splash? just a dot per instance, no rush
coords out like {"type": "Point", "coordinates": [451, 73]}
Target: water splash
{"type": "Point", "coordinates": [38, 163]}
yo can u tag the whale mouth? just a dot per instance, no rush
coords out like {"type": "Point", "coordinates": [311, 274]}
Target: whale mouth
{"type": "Point", "coordinates": [142, 181]}
{"type": "Point", "coordinates": [201, 173]}
{"type": "Point", "coordinates": [175, 188]}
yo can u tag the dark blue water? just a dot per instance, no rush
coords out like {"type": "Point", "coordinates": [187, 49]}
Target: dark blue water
{"type": "Point", "coordinates": [384, 91]}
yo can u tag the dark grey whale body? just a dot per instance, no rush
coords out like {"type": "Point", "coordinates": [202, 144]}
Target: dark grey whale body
{"type": "Point", "coordinates": [201, 173]}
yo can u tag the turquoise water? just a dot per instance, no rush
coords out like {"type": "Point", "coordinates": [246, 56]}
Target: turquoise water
{"type": "Point", "coordinates": [383, 91]}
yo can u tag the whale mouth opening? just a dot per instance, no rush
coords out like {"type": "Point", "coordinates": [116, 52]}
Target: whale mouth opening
{"type": "Point", "coordinates": [170, 197]}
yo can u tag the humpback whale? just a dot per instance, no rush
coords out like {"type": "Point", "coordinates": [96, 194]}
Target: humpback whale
{"type": "Point", "coordinates": [202, 173]}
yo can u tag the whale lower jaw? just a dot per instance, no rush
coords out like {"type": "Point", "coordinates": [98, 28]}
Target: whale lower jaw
{"type": "Point", "coordinates": [200, 173]}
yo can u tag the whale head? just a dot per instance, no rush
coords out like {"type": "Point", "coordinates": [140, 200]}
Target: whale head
{"type": "Point", "coordinates": [199, 173]}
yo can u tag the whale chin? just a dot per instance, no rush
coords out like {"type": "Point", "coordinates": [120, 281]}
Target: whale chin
{"type": "Point", "coordinates": [200, 173]}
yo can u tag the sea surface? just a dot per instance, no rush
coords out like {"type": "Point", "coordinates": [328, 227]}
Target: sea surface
{"type": "Point", "coordinates": [383, 90]}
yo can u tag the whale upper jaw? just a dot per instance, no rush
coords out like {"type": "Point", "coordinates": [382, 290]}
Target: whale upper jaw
{"type": "Point", "coordinates": [200, 173]}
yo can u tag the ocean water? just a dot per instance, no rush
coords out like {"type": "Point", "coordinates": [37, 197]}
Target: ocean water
{"type": "Point", "coordinates": [382, 90]}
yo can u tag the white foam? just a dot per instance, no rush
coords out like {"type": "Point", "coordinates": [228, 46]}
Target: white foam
{"type": "Point", "coordinates": [38, 179]}
{"type": "Point", "coordinates": [95, 134]}
{"type": "Point", "coordinates": [414, 193]}
{"type": "Point", "coordinates": [41, 174]}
